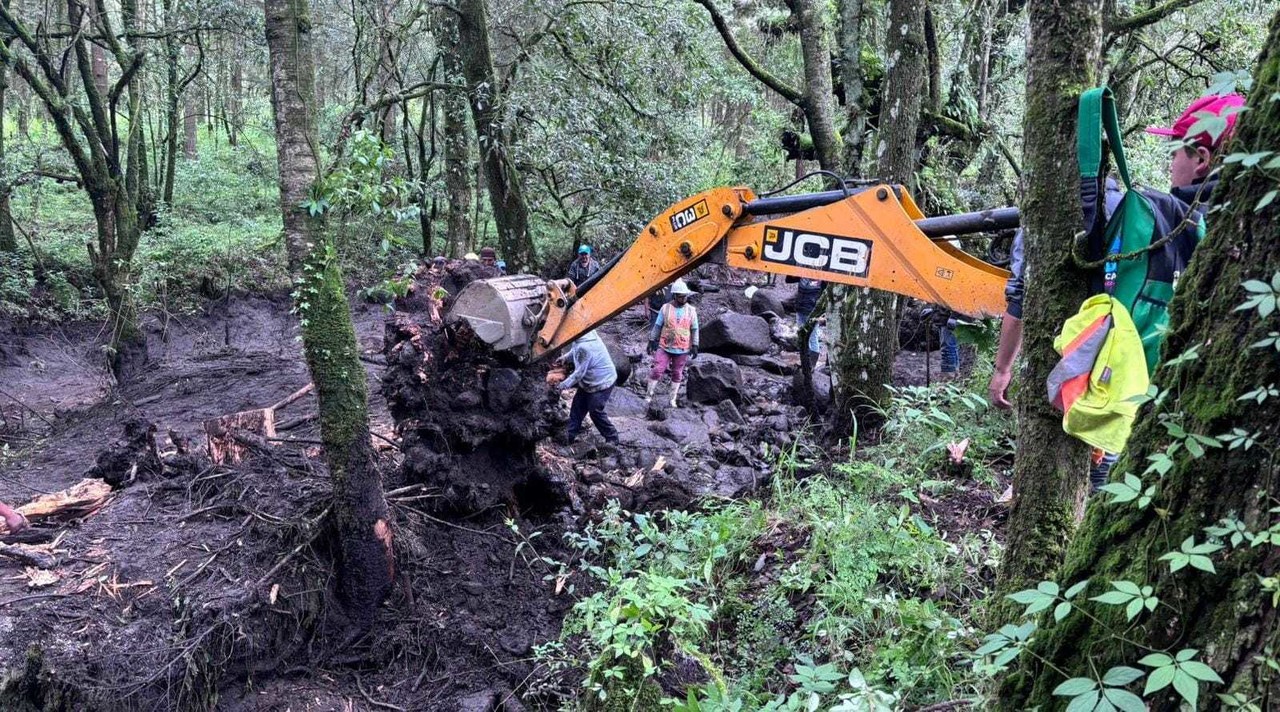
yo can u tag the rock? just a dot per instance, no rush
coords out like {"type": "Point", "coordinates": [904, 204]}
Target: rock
{"type": "Point", "coordinates": [732, 333]}
{"type": "Point", "coordinates": [784, 333]}
{"type": "Point", "coordinates": [625, 403]}
{"type": "Point", "coordinates": [729, 413]}
{"type": "Point", "coordinates": [657, 410]}
{"type": "Point", "coordinates": [713, 379]}
{"type": "Point", "coordinates": [780, 423]}
{"type": "Point", "coordinates": [621, 359]}
{"type": "Point", "coordinates": [819, 398]}
{"type": "Point", "coordinates": [747, 360]}
{"type": "Point", "coordinates": [783, 365]}
{"type": "Point", "coordinates": [483, 701]}
{"type": "Point", "coordinates": [765, 301]}
{"type": "Point", "coordinates": [686, 433]}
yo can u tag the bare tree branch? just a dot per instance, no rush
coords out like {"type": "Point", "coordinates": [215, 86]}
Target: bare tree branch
{"type": "Point", "coordinates": [1122, 25]}
{"type": "Point", "coordinates": [786, 91]}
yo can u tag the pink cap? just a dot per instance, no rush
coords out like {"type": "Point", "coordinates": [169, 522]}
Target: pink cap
{"type": "Point", "coordinates": [1214, 104]}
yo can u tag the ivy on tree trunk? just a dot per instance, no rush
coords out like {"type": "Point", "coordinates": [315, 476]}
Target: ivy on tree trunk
{"type": "Point", "coordinates": [366, 562]}
{"type": "Point", "coordinates": [1229, 615]}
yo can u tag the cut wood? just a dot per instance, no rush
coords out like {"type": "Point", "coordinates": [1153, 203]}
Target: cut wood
{"type": "Point", "coordinates": [76, 502]}
{"type": "Point", "coordinates": [223, 446]}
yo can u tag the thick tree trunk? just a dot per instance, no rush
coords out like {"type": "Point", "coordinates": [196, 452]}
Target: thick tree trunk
{"type": "Point", "coordinates": [867, 342]}
{"type": "Point", "coordinates": [171, 109]}
{"type": "Point", "coordinates": [851, 73]}
{"type": "Point", "coordinates": [819, 103]}
{"type": "Point", "coordinates": [8, 241]}
{"type": "Point", "coordinates": [934, 58]}
{"type": "Point", "coordinates": [190, 122]}
{"type": "Point", "coordinates": [1049, 476]}
{"type": "Point", "coordinates": [366, 564]}
{"type": "Point", "coordinates": [98, 56]}
{"type": "Point", "coordinates": [1229, 615]}
{"type": "Point", "coordinates": [510, 212]}
{"type": "Point", "coordinates": [457, 139]}
{"type": "Point", "coordinates": [235, 105]}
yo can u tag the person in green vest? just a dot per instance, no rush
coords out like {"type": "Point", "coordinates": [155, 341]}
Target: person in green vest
{"type": "Point", "coordinates": [1178, 215]}
{"type": "Point", "coordinates": [673, 340]}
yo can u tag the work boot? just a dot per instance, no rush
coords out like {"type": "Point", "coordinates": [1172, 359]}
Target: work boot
{"type": "Point", "coordinates": [653, 386]}
{"type": "Point", "coordinates": [675, 392]}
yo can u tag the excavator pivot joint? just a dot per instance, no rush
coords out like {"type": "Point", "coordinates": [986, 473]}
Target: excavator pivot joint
{"type": "Point", "coordinates": [686, 250]}
{"type": "Point", "coordinates": [727, 210]}
{"type": "Point", "coordinates": [882, 194]}
{"type": "Point", "coordinates": [750, 252]}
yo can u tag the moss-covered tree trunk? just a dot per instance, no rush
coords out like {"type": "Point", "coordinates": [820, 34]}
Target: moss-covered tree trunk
{"type": "Point", "coordinates": [1229, 616]}
{"type": "Point", "coordinates": [106, 150]}
{"type": "Point", "coordinates": [171, 118]}
{"type": "Point", "coordinates": [506, 196]}
{"type": "Point", "coordinates": [819, 102]}
{"type": "Point", "coordinates": [8, 241]}
{"type": "Point", "coordinates": [366, 564]}
{"type": "Point", "coordinates": [852, 74]}
{"type": "Point", "coordinates": [866, 327]}
{"type": "Point", "coordinates": [1050, 474]}
{"type": "Point", "coordinates": [457, 138]}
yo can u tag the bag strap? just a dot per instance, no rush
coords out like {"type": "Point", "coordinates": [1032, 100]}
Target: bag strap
{"type": "Point", "coordinates": [1097, 114]}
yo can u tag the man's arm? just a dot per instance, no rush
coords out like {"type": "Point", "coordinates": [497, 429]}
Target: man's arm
{"type": "Point", "coordinates": [1010, 328]}
{"type": "Point", "coordinates": [579, 370]}
{"type": "Point", "coordinates": [1006, 354]}
{"type": "Point", "coordinates": [656, 331]}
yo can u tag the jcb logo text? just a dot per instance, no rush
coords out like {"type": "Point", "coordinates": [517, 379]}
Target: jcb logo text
{"type": "Point", "coordinates": [689, 215]}
{"type": "Point", "coordinates": [830, 253]}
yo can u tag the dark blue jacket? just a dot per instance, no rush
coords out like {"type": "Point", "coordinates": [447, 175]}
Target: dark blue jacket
{"type": "Point", "coordinates": [1171, 211]}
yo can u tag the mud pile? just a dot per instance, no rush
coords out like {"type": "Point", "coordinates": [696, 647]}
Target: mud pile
{"type": "Point", "coordinates": [469, 417]}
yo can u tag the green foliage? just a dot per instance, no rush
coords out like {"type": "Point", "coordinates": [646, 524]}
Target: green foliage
{"type": "Point", "coordinates": [838, 593]}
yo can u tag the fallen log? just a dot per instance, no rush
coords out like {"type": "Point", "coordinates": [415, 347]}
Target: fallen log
{"type": "Point", "coordinates": [76, 502]}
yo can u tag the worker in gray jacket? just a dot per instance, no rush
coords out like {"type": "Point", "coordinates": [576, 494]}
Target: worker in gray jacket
{"type": "Point", "coordinates": [594, 375]}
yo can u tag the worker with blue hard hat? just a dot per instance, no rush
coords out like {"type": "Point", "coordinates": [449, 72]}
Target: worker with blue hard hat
{"type": "Point", "coordinates": [583, 267]}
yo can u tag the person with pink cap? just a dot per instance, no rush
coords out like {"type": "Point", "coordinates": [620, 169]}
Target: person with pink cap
{"type": "Point", "coordinates": [1192, 185]}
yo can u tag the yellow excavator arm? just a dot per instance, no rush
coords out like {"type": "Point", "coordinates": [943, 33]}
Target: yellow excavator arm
{"type": "Point", "coordinates": [873, 237]}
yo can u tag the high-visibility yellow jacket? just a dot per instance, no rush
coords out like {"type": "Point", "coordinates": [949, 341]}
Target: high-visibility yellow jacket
{"type": "Point", "coordinates": [1102, 372]}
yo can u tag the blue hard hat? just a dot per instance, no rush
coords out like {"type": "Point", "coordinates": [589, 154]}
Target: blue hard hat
{"type": "Point", "coordinates": [584, 250]}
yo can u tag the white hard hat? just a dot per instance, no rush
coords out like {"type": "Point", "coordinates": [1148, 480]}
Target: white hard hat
{"type": "Point", "coordinates": [679, 287]}
{"type": "Point", "coordinates": [471, 257]}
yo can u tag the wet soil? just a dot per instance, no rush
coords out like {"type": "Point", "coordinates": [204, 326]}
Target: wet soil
{"type": "Point", "coordinates": [207, 587]}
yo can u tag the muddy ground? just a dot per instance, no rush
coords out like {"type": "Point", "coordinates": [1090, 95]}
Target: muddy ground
{"type": "Point", "coordinates": [206, 586]}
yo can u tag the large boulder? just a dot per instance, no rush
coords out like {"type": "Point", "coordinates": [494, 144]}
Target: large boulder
{"type": "Point", "coordinates": [733, 333]}
{"type": "Point", "coordinates": [817, 399]}
{"type": "Point", "coordinates": [621, 360]}
{"type": "Point", "coordinates": [766, 301]}
{"type": "Point", "coordinates": [712, 379]}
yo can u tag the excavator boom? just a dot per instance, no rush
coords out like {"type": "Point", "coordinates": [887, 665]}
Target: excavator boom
{"type": "Point", "coordinates": [871, 237]}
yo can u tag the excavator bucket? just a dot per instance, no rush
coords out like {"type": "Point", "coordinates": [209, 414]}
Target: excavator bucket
{"type": "Point", "coordinates": [503, 311]}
